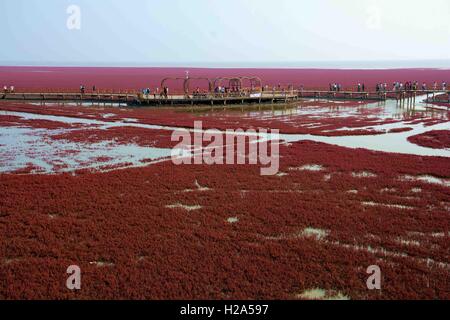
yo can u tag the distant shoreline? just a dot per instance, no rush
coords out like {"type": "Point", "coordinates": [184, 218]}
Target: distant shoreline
{"type": "Point", "coordinates": [321, 65]}
{"type": "Point", "coordinates": [151, 77]}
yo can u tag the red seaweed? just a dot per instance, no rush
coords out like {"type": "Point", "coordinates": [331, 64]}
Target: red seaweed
{"type": "Point", "coordinates": [436, 139]}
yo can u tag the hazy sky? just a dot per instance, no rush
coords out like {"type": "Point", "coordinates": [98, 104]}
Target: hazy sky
{"type": "Point", "coordinates": [222, 31]}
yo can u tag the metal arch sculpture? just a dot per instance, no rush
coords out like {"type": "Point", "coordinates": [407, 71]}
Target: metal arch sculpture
{"type": "Point", "coordinates": [255, 82]}
{"type": "Point", "coordinates": [188, 80]}
{"type": "Point", "coordinates": [233, 82]}
{"type": "Point", "coordinates": [238, 82]}
{"type": "Point", "coordinates": [163, 81]}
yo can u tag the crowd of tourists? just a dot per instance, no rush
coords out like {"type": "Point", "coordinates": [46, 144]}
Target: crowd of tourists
{"type": "Point", "coordinates": [414, 86]}
{"type": "Point", "coordinates": [8, 89]}
{"type": "Point", "coordinates": [335, 87]}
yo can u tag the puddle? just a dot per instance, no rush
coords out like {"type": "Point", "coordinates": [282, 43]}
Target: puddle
{"type": "Point", "coordinates": [390, 190]}
{"type": "Point", "coordinates": [281, 174]}
{"type": "Point", "coordinates": [426, 179]}
{"type": "Point", "coordinates": [201, 188]}
{"type": "Point", "coordinates": [184, 207]}
{"type": "Point", "coordinates": [322, 294]}
{"type": "Point", "coordinates": [233, 220]}
{"type": "Point", "coordinates": [308, 167]}
{"type": "Point", "coordinates": [20, 147]}
{"type": "Point", "coordinates": [386, 205]}
{"type": "Point", "coordinates": [363, 174]}
{"type": "Point", "coordinates": [318, 234]}
{"type": "Point", "coordinates": [101, 264]}
{"type": "Point", "coordinates": [405, 242]}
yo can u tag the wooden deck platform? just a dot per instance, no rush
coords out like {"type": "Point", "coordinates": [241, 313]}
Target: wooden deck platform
{"type": "Point", "coordinates": [272, 97]}
{"type": "Point", "coordinates": [70, 96]}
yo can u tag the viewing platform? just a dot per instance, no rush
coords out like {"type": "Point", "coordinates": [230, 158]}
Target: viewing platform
{"type": "Point", "coordinates": [244, 96]}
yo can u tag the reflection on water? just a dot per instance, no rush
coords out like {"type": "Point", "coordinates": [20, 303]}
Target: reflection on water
{"type": "Point", "coordinates": [22, 146]}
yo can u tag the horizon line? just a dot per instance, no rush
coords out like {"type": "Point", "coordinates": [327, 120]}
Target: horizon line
{"type": "Point", "coordinates": [307, 64]}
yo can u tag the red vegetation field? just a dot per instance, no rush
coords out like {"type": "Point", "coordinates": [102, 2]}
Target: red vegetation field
{"type": "Point", "coordinates": [397, 130]}
{"type": "Point", "coordinates": [120, 135]}
{"type": "Point", "coordinates": [132, 238]}
{"type": "Point", "coordinates": [437, 139]}
{"type": "Point", "coordinates": [137, 78]}
{"type": "Point", "coordinates": [14, 121]}
{"type": "Point", "coordinates": [294, 121]}
{"type": "Point", "coordinates": [224, 231]}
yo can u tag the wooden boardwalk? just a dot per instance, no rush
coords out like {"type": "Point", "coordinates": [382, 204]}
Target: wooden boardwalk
{"type": "Point", "coordinates": [265, 97]}
{"type": "Point", "coordinates": [70, 96]}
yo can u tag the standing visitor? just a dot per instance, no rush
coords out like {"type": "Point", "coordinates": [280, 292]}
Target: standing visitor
{"type": "Point", "coordinates": [11, 90]}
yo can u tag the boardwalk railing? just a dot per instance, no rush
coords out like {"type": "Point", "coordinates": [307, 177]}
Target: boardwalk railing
{"type": "Point", "coordinates": [70, 96]}
{"type": "Point", "coordinates": [241, 97]}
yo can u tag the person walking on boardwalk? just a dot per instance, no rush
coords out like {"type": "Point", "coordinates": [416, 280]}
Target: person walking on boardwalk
{"type": "Point", "coordinates": [11, 89]}
{"type": "Point", "coordinates": [5, 89]}
{"type": "Point", "coordinates": [444, 86]}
